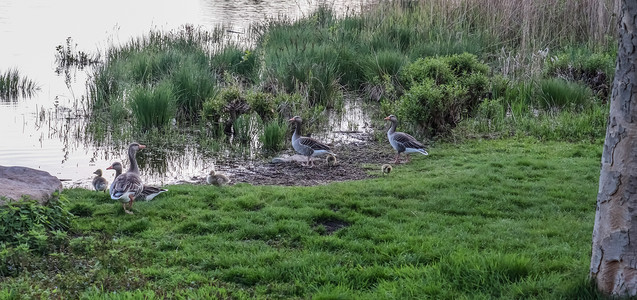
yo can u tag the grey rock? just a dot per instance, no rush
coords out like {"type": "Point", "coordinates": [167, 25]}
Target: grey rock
{"type": "Point", "coordinates": [34, 184]}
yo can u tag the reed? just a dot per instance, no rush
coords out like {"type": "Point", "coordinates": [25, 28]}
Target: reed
{"type": "Point", "coordinates": [273, 137]}
{"type": "Point", "coordinates": [14, 85]}
{"type": "Point", "coordinates": [153, 108]}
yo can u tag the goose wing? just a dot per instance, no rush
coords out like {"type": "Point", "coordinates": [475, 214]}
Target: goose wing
{"type": "Point", "coordinates": [313, 144]}
{"type": "Point", "coordinates": [407, 140]}
{"type": "Point", "coordinates": [125, 184]}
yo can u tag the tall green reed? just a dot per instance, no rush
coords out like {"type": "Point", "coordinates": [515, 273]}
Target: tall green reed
{"type": "Point", "coordinates": [153, 108]}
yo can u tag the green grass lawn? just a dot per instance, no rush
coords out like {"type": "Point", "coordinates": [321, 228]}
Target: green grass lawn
{"type": "Point", "coordinates": [479, 220]}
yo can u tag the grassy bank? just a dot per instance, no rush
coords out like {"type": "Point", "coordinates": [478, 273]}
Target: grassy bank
{"type": "Point", "coordinates": [480, 220]}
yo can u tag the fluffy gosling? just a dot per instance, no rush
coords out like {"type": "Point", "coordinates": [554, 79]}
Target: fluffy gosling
{"type": "Point", "coordinates": [217, 179]}
{"type": "Point", "coordinates": [386, 168]}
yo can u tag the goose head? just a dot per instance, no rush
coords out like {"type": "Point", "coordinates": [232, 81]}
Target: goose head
{"type": "Point", "coordinates": [391, 118]}
{"type": "Point", "coordinates": [117, 166]}
{"type": "Point", "coordinates": [98, 172]}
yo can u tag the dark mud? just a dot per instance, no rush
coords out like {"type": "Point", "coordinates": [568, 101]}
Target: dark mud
{"type": "Point", "coordinates": [355, 161]}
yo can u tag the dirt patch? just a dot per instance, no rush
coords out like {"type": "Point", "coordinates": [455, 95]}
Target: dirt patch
{"type": "Point", "coordinates": [354, 161]}
{"type": "Point", "coordinates": [327, 227]}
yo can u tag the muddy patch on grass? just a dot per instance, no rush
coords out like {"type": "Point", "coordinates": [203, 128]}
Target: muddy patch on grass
{"type": "Point", "coordinates": [354, 161]}
{"type": "Point", "coordinates": [329, 226]}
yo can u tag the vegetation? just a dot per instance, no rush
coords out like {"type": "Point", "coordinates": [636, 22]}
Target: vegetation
{"type": "Point", "coordinates": [435, 228]}
{"type": "Point", "coordinates": [13, 84]}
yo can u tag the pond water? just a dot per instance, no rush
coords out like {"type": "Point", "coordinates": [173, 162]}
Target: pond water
{"type": "Point", "coordinates": [44, 132]}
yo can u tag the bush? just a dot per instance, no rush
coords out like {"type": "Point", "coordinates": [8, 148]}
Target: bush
{"type": "Point", "coordinates": [596, 70]}
{"type": "Point", "coordinates": [262, 104]}
{"type": "Point", "coordinates": [440, 92]}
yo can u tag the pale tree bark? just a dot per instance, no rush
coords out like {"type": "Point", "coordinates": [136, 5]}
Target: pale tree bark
{"type": "Point", "coordinates": [614, 254]}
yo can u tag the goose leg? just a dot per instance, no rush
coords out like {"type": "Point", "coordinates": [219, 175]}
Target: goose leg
{"type": "Point", "coordinates": [396, 161]}
{"type": "Point", "coordinates": [130, 205]}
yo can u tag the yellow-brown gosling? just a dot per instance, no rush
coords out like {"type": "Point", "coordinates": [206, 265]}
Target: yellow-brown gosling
{"type": "Point", "coordinates": [217, 179]}
{"type": "Point", "coordinates": [386, 168]}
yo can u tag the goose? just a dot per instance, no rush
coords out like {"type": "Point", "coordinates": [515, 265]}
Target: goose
{"type": "Point", "coordinates": [217, 179]}
{"type": "Point", "coordinates": [401, 141]}
{"type": "Point", "coordinates": [386, 168]}
{"type": "Point", "coordinates": [305, 145]}
{"type": "Point", "coordinates": [331, 160]}
{"type": "Point", "coordinates": [128, 186]}
{"type": "Point", "coordinates": [99, 183]}
{"type": "Point", "coordinates": [148, 193]}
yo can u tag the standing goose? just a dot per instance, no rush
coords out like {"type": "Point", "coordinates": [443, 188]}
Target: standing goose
{"type": "Point", "coordinates": [148, 193]}
{"type": "Point", "coordinates": [99, 183]}
{"type": "Point", "coordinates": [128, 186]}
{"type": "Point", "coordinates": [401, 141]}
{"type": "Point", "coordinates": [305, 145]}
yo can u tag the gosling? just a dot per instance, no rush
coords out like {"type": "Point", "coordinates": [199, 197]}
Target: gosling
{"type": "Point", "coordinates": [217, 179]}
{"type": "Point", "coordinates": [99, 183]}
{"type": "Point", "coordinates": [331, 160]}
{"type": "Point", "coordinates": [386, 168]}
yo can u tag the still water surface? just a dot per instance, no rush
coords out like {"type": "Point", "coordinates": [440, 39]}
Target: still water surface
{"type": "Point", "coordinates": [43, 131]}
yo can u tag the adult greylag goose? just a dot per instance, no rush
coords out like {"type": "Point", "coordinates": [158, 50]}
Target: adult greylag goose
{"type": "Point", "coordinates": [128, 186]}
{"type": "Point", "coordinates": [386, 168]}
{"type": "Point", "coordinates": [217, 179]}
{"type": "Point", "coordinates": [99, 183]}
{"type": "Point", "coordinates": [305, 145]}
{"type": "Point", "coordinates": [148, 193]}
{"type": "Point", "coordinates": [403, 142]}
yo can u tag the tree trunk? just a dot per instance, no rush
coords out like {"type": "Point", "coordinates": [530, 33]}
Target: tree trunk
{"type": "Point", "coordinates": [614, 253]}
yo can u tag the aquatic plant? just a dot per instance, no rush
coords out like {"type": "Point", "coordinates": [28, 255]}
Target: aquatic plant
{"type": "Point", "coordinates": [273, 136]}
{"type": "Point", "coordinates": [13, 85]}
{"type": "Point", "coordinates": [153, 107]}
{"type": "Point", "coordinates": [67, 55]}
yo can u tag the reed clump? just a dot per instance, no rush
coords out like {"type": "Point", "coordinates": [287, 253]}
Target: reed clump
{"type": "Point", "coordinates": [14, 85]}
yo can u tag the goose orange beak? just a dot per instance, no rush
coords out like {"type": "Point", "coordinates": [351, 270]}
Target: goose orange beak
{"type": "Point", "coordinates": [142, 146]}
{"type": "Point", "coordinates": [109, 168]}
{"type": "Point", "coordinates": [387, 118]}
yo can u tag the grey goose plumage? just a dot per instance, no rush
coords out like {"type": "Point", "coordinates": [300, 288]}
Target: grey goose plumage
{"type": "Point", "coordinates": [307, 146]}
{"type": "Point", "coordinates": [402, 142]}
{"type": "Point", "coordinates": [148, 193]}
{"type": "Point", "coordinates": [128, 186]}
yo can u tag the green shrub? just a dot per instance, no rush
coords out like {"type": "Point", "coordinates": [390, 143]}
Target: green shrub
{"type": "Point", "coordinates": [262, 104]}
{"type": "Point", "coordinates": [596, 70]}
{"type": "Point", "coordinates": [424, 68]}
{"type": "Point", "coordinates": [440, 92]}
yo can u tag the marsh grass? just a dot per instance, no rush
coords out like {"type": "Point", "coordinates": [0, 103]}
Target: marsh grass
{"type": "Point", "coordinates": [13, 85]}
{"type": "Point", "coordinates": [485, 220]}
{"type": "Point", "coordinates": [273, 137]}
{"type": "Point", "coordinates": [153, 108]}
